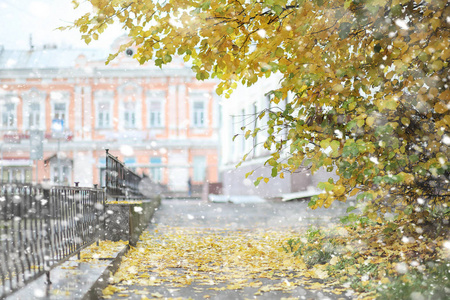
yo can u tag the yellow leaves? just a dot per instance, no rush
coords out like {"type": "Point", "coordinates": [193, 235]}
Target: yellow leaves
{"type": "Point", "coordinates": [405, 121]}
{"type": "Point", "coordinates": [334, 260]}
{"type": "Point", "coordinates": [440, 107]}
{"type": "Point", "coordinates": [111, 290]}
{"type": "Point", "coordinates": [372, 215]}
{"type": "Point", "coordinates": [407, 177]}
{"type": "Point", "coordinates": [390, 103]}
{"type": "Point", "coordinates": [319, 272]}
{"type": "Point", "coordinates": [354, 192]}
{"type": "Point", "coordinates": [370, 120]}
{"type": "Point", "coordinates": [339, 190]}
{"type": "Point", "coordinates": [352, 270]}
{"type": "Point", "coordinates": [338, 88]}
{"type": "Point", "coordinates": [157, 295]}
{"type": "Point", "coordinates": [385, 280]}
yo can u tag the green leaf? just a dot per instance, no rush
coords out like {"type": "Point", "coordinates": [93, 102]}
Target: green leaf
{"type": "Point", "coordinates": [344, 30]}
{"type": "Point", "coordinates": [277, 9]}
{"type": "Point", "coordinates": [350, 209]}
{"type": "Point", "coordinates": [274, 172]}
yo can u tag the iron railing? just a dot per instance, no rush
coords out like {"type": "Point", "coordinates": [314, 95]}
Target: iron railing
{"type": "Point", "coordinates": [121, 182]}
{"type": "Point", "coordinates": [42, 228]}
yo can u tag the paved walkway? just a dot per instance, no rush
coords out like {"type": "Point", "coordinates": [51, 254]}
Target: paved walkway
{"type": "Point", "coordinates": [279, 215]}
{"type": "Point", "coordinates": [227, 219]}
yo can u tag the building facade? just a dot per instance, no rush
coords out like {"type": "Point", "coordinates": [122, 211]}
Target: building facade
{"type": "Point", "coordinates": [163, 123]}
{"type": "Point", "coordinates": [242, 110]}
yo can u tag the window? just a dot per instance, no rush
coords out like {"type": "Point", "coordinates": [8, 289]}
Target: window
{"type": "Point", "coordinates": [130, 100]}
{"type": "Point", "coordinates": [198, 101]}
{"type": "Point", "coordinates": [155, 114]}
{"type": "Point", "coordinates": [155, 103]}
{"type": "Point", "coordinates": [129, 115]}
{"type": "Point", "coordinates": [199, 168]}
{"type": "Point", "coordinates": [34, 113]}
{"type": "Point", "coordinates": [16, 174]}
{"type": "Point", "coordinates": [66, 173]}
{"type": "Point", "coordinates": [60, 112]}
{"type": "Point", "coordinates": [34, 109]}
{"type": "Point", "coordinates": [198, 114]}
{"type": "Point", "coordinates": [104, 114]}
{"type": "Point", "coordinates": [156, 171]}
{"type": "Point", "coordinates": [9, 115]}
{"type": "Point", "coordinates": [104, 102]}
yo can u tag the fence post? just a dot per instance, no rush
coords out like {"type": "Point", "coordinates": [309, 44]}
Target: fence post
{"type": "Point", "coordinates": [97, 219]}
{"type": "Point", "coordinates": [47, 230]}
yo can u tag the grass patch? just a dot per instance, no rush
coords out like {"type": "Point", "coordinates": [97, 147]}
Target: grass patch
{"type": "Point", "coordinates": [392, 260]}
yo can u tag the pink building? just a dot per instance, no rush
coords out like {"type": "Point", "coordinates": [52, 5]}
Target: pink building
{"type": "Point", "coordinates": [161, 122]}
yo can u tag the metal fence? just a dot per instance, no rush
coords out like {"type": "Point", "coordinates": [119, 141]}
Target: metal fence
{"type": "Point", "coordinates": [41, 228]}
{"type": "Point", "coordinates": [121, 182]}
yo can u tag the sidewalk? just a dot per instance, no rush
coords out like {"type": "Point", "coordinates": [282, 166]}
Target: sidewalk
{"type": "Point", "coordinates": [75, 278]}
{"type": "Point", "coordinates": [204, 250]}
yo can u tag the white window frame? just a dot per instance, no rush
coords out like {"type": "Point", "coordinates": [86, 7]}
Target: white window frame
{"type": "Point", "coordinates": [125, 96]}
{"type": "Point", "coordinates": [196, 97]}
{"type": "Point", "coordinates": [156, 96]}
{"type": "Point", "coordinates": [101, 97]}
{"type": "Point", "coordinates": [60, 97]}
{"type": "Point", "coordinates": [9, 98]}
{"type": "Point", "coordinates": [54, 173]}
{"type": "Point", "coordinates": [126, 120]}
{"type": "Point", "coordinates": [8, 126]}
{"type": "Point", "coordinates": [31, 97]}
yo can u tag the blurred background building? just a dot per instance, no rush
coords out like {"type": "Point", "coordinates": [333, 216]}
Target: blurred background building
{"type": "Point", "coordinates": [161, 122]}
{"type": "Point", "coordinates": [242, 110]}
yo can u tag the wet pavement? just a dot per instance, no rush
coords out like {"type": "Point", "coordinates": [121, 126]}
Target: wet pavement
{"type": "Point", "coordinates": [72, 279]}
{"type": "Point", "coordinates": [228, 217]}
{"type": "Point", "coordinates": [270, 214]}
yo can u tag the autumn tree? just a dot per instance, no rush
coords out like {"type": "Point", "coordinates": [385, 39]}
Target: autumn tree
{"type": "Point", "coordinates": [369, 79]}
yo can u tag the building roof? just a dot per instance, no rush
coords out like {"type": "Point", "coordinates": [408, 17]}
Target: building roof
{"type": "Point", "coordinates": [50, 58]}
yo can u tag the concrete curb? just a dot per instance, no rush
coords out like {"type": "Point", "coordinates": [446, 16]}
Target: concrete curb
{"type": "Point", "coordinates": [137, 223]}
{"type": "Point", "coordinates": [95, 292]}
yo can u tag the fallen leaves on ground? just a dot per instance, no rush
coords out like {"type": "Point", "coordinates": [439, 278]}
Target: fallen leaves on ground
{"type": "Point", "coordinates": [367, 259]}
{"type": "Point", "coordinates": [357, 263]}
{"type": "Point", "coordinates": [105, 249]}
{"type": "Point", "coordinates": [211, 260]}
{"type": "Point", "coordinates": [124, 202]}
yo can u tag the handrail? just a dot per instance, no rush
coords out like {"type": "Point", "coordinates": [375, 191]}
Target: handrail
{"type": "Point", "coordinates": [121, 182]}
{"type": "Point", "coordinates": [42, 228]}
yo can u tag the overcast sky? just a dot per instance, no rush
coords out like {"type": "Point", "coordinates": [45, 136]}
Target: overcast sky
{"type": "Point", "coordinates": [21, 18]}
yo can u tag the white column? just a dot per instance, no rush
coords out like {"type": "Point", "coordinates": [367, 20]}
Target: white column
{"type": "Point", "coordinates": [87, 112]}
{"type": "Point", "coordinates": [173, 113]}
{"type": "Point", "coordinates": [182, 110]}
{"type": "Point", "coordinates": [78, 97]}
